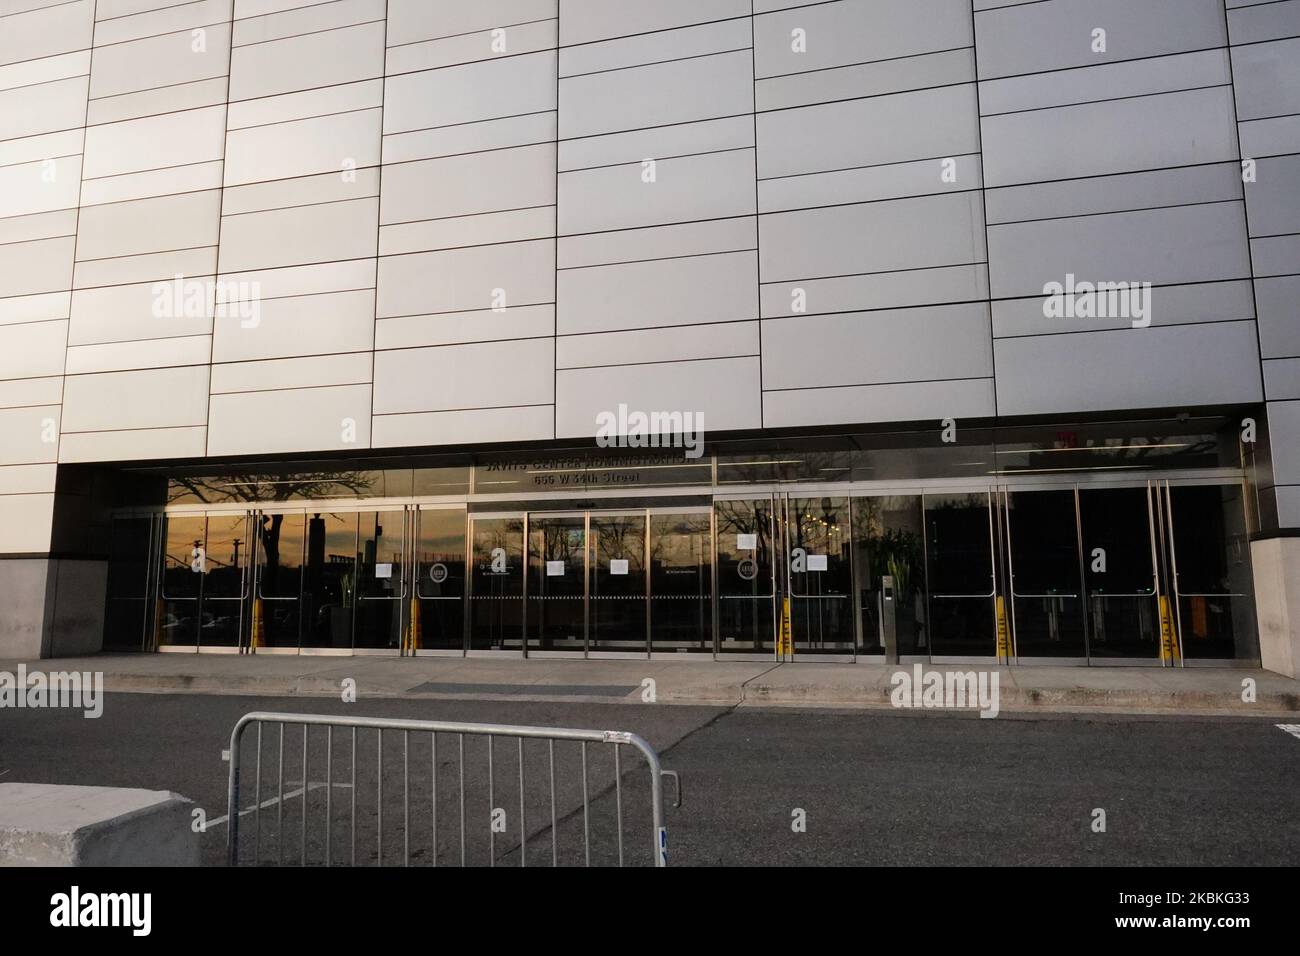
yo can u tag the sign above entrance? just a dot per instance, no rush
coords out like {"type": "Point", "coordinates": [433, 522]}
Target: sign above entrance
{"type": "Point", "coordinates": [593, 471]}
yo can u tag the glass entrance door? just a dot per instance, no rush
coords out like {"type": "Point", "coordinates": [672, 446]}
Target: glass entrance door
{"type": "Point", "coordinates": [889, 541]}
{"type": "Point", "coordinates": [556, 605]}
{"type": "Point", "coordinates": [329, 582]}
{"type": "Point", "coordinates": [681, 582]}
{"type": "Point", "coordinates": [381, 581]}
{"type": "Point", "coordinates": [1209, 574]}
{"type": "Point", "coordinates": [227, 580]}
{"type": "Point", "coordinates": [439, 561]}
{"type": "Point", "coordinates": [205, 582]}
{"type": "Point", "coordinates": [960, 572]}
{"type": "Point", "coordinates": [281, 547]}
{"type": "Point", "coordinates": [1045, 572]}
{"type": "Point", "coordinates": [1118, 537]}
{"type": "Point", "coordinates": [496, 583]}
{"type": "Point", "coordinates": [819, 575]}
{"type": "Point", "coordinates": [746, 576]}
{"type": "Point", "coordinates": [180, 581]}
{"type": "Point", "coordinates": [617, 599]}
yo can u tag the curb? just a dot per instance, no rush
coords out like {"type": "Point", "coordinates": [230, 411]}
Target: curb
{"type": "Point", "coordinates": [1077, 700]}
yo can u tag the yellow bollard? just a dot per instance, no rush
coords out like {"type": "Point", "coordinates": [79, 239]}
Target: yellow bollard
{"type": "Point", "coordinates": [785, 637]}
{"type": "Point", "coordinates": [1169, 650]}
{"type": "Point", "coordinates": [414, 630]}
{"type": "Point", "coordinates": [257, 638]}
{"type": "Point", "coordinates": [1004, 632]}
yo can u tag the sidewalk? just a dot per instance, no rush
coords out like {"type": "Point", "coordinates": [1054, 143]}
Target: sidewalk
{"type": "Point", "coordinates": [1114, 690]}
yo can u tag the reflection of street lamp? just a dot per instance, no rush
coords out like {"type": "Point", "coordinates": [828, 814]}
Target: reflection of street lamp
{"type": "Point", "coordinates": [234, 556]}
{"type": "Point", "coordinates": [829, 520]}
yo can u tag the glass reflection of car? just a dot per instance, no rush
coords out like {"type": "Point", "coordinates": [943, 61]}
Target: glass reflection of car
{"type": "Point", "coordinates": [179, 628]}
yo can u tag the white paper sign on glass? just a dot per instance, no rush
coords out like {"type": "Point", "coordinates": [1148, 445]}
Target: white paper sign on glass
{"type": "Point", "coordinates": [383, 570]}
{"type": "Point", "coordinates": [555, 569]}
{"type": "Point", "coordinates": [746, 542]}
{"type": "Point", "coordinates": [816, 562]}
{"type": "Point", "coordinates": [618, 565]}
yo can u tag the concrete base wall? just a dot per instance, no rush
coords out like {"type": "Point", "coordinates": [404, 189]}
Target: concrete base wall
{"type": "Point", "coordinates": [80, 599]}
{"type": "Point", "coordinates": [1276, 564]}
{"type": "Point", "coordinates": [25, 623]}
{"type": "Point", "coordinates": [52, 607]}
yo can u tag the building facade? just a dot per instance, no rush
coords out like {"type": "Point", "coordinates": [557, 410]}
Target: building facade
{"type": "Point", "coordinates": [943, 329]}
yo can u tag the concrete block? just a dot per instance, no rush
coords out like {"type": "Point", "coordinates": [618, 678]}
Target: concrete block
{"type": "Point", "coordinates": [51, 825]}
{"type": "Point", "coordinates": [1276, 564]}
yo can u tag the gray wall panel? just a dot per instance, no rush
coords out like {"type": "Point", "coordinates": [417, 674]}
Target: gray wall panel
{"type": "Point", "coordinates": [585, 21]}
{"type": "Point", "coordinates": [412, 20]}
{"type": "Point", "coordinates": [1176, 129]}
{"type": "Point", "coordinates": [1132, 368]}
{"type": "Point", "coordinates": [873, 237]}
{"type": "Point", "coordinates": [667, 292]}
{"type": "Point", "coordinates": [1267, 79]}
{"type": "Point", "coordinates": [657, 95]}
{"type": "Point", "coordinates": [859, 348]}
{"type": "Point", "coordinates": [464, 94]}
{"type": "Point", "coordinates": [907, 402]}
{"type": "Point", "coordinates": [1179, 244]}
{"type": "Point", "coordinates": [929, 124]}
{"type": "Point", "coordinates": [725, 391]}
{"type": "Point", "coordinates": [1029, 37]}
{"type": "Point", "coordinates": [713, 186]}
{"type": "Point", "coordinates": [857, 31]}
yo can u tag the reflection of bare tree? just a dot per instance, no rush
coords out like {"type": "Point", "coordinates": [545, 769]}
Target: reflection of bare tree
{"type": "Point", "coordinates": [561, 543]}
{"type": "Point", "coordinates": [492, 535]}
{"type": "Point", "coordinates": [621, 536]}
{"type": "Point", "coordinates": [744, 517]}
{"type": "Point", "coordinates": [679, 554]}
{"type": "Point", "coordinates": [224, 489]}
{"type": "Point", "coordinates": [270, 488]}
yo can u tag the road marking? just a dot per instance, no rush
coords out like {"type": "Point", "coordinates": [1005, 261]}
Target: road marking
{"type": "Point", "coordinates": [272, 801]}
{"type": "Point", "coordinates": [1292, 729]}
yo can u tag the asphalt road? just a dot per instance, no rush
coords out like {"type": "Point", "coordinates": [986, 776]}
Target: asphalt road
{"type": "Point", "coordinates": [875, 788]}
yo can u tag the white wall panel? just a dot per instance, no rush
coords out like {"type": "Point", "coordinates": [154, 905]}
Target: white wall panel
{"type": "Point", "coordinates": [313, 419]}
{"type": "Point", "coordinates": [132, 399]}
{"type": "Point", "coordinates": [488, 375]}
{"type": "Point", "coordinates": [667, 292]}
{"type": "Point", "coordinates": [462, 280]}
{"type": "Point", "coordinates": [724, 391]}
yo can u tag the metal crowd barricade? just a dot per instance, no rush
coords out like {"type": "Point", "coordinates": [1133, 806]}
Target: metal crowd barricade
{"type": "Point", "coordinates": [618, 740]}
